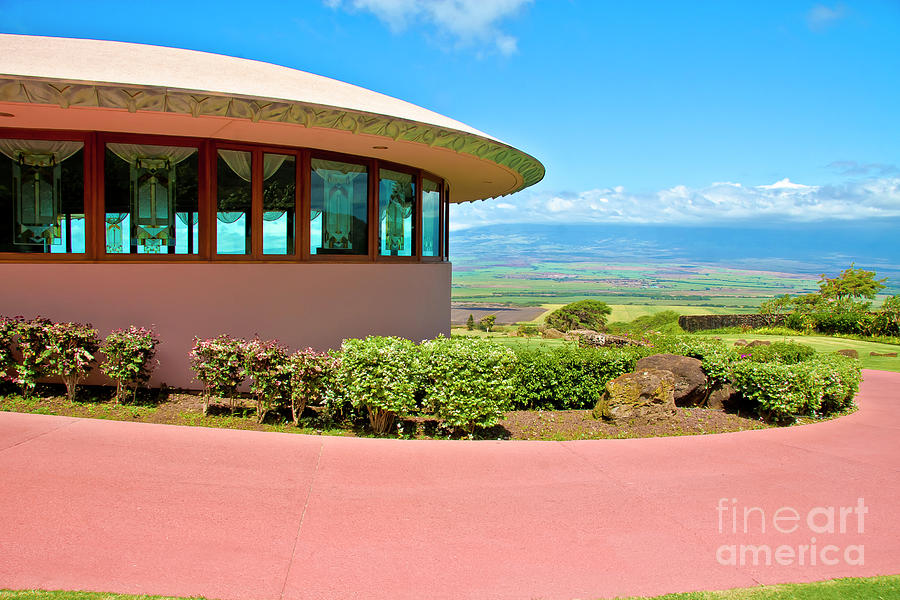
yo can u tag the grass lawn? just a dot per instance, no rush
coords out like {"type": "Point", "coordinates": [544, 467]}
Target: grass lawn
{"type": "Point", "coordinates": [871, 588]}
{"type": "Point", "coordinates": [630, 312]}
{"type": "Point", "coordinates": [831, 344]}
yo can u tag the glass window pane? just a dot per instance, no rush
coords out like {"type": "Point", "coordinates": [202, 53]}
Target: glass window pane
{"type": "Point", "coordinates": [339, 208]}
{"type": "Point", "coordinates": [41, 196]}
{"type": "Point", "coordinates": [279, 203]}
{"type": "Point", "coordinates": [396, 213]}
{"type": "Point", "coordinates": [431, 218]}
{"type": "Point", "coordinates": [234, 201]}
{"type": "Point", "coordinates": [151, 199]}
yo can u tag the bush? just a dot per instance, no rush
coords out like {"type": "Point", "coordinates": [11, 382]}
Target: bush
{"type": "Point", "coordinates": [129, 357]}
{"type": "Point", "coordinates": [310, 374]}
{"type": "Point", "coordinates": [584, 314]}
{"type": "Point", "coordinates": [33, 341]}
{"type": "Point", "coordinates": [73, 346]}
{"type": "Point", "coordinates": [219, 364]}
{"type": "Point", "coordinates": [8, 329]}
{"type": "Point", "coordinates": [568, 377]}
{"type": "Point", "coordinates": [781, 352]}
{"type": "Point", "coordinates": [784, 391]}
{"type": "Point", "coordinates": [381, 374]}
{"type": "Point", "coordinates": [468, 381]}
{"type": "Point", "coordinates": [268, 368]}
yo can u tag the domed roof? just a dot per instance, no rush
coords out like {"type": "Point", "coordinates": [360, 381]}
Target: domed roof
{"type": "Point", "coordinates": [63, 83]}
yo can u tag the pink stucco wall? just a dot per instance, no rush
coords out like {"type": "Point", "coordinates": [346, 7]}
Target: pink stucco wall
{"type": "Point", "coordinates": [300, 304]}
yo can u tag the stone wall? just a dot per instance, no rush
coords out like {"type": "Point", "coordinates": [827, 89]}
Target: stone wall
{"type": "Point", "coordinates": [702, 322]}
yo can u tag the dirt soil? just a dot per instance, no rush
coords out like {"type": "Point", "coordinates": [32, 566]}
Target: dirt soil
{"type": "Point", "coordinates": [176, 408]}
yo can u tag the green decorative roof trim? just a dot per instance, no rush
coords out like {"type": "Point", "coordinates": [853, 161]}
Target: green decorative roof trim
{"type": "Point", "coordinates": [65, 95]}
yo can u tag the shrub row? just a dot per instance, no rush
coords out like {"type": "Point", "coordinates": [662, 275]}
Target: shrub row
{"type": "Point", "coordinates": [463, 382]}
{"type": "Point", "coordinates": [32, 349]}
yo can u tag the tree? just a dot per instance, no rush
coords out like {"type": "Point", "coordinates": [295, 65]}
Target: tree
{"type": "Point", "coordinates": [470, 323]}
{"type": "Point", "coordinates": [851, 284]}
{"type": "Point", "coordinates": [584, 314]}
{"type": "Point", "coordinates": [487, 323]}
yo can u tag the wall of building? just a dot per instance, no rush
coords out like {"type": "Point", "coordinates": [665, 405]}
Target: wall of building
{"type": "Point", "coordinates": [302, 305]}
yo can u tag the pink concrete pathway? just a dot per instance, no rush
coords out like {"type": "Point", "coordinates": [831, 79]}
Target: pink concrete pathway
{"type": "Point", "coordinates": [154, 509]}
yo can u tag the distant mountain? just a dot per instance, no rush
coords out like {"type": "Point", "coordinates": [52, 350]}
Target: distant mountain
{"type": "Point", "coordinates": [789, 248]}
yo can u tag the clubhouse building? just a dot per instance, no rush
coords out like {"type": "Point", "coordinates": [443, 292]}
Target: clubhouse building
{"type": "Point", "coordinates": [204, 194]}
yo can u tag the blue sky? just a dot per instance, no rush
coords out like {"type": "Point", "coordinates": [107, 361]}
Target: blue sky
{"type": "Point", "coordinates": [678, 112]}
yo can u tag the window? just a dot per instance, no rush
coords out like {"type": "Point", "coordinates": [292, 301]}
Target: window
{"type": "Point", "coordinates": [279, 203]}
{"type": "Point", "coordinates": [338, 219]}
{"type": "Point", "coordinates": [431, 218]}
{"type": "Point", "coordinates": [396, 213]}
{"type": "Point", "coordinates": [234, 197]}
{"type": "Point", "coordinates": [151, 199]}
{"type": "Point", "coordinates": [42, 189]}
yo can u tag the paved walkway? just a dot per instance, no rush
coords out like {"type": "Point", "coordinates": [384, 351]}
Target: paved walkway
{"type": "Point", "coordinates": [153, 509]}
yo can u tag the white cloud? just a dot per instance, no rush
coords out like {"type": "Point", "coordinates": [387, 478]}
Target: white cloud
{"type": "Point", "coordinates": [782, 201]}
{"type": "Point", "coordinates": [469, 21]}
{"type": "Point", "coordinates": [821, 17]}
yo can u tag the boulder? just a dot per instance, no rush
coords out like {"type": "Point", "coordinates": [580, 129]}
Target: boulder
{"type": "Point", "coordinates": [882, 354]}
{"type": "Point", "coordinates": [740, 342]}
{"type": "Point", "coordinates": [552, 334]}
{"type": "Point", "coordinates": [722, 396]}
{"type": "Point", "coordinates": [760, 343]}
{"type": "Point", "coordinates": [646, 394]}
{"type": "Point", "coordinates": [690, 380]}
{"type": "Point", "coordinates": [849, 352]}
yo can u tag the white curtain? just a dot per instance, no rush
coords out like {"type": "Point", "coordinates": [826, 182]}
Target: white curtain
{"type": "Point", "coordinates": [240, 162]}
{"type": "Point", "coordinates": [59, 149]}
{"type": "Point", "coordinates": [131, 152]}
{"type": "Point", "coordinates": [338, 177]}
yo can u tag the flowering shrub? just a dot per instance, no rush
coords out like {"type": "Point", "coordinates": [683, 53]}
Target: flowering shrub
{"type": "Point", "coordinates": [268, 368]}
{"type": "Point", "coordinates": [469, 381]}
{"type": "Point", "coordinates": [33, 340]}
{"type": "Point", "coordinates": [310, 373]}
{"type": "Point", "coordinates": [73, 346]}
{"type": "Point", "coordinates": [219, 365]}
{"type": "Point", "coordinates": [129, 358]}
{"type": "Point", "coordinates": [383, 375]}
{"type": "Point", "coordinates": [8, 329]}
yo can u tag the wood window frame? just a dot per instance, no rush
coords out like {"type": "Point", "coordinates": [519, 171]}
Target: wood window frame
{"type": "Point", "coordinates": [417, 207]}
{"type": "Point", "coordinates": [257, 151]}
{"type": "Point", "coordinates": [94, 156]}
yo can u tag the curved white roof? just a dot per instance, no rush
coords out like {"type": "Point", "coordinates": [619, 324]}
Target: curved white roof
{"type": "Point", "coordinates": [105, 75]}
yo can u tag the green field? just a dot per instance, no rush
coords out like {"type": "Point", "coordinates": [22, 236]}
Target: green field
{"type": "Point", "coordinates": [621, 284]}
{"type": "Point", "coordinates": [630, 312]}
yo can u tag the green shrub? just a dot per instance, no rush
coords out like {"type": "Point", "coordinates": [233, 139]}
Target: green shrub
{"type": "Point", "coordinates": [33, 341]}
{"type": "Point", "coordinates": [381, 374]}
{"type": "Point", "coordinates": [584, 314]}
{"type": "Point", "coordinates": [268, 369]}
{"type": "Point", "coordinates": [568, 377]}
{"type": "Point", "coordinates": [219, 364]}
{"type": "Point", "coordinates": [129, 357]}
{"type": "Point", "coordinates": [782, 352]}
{"type": "Point", "coordinates": [782, 392]}
{"type": "Point", "coordinates": [72, 353]}
{"type": "Point", "coordinates": [311, 373]}
{"type": "Point", "coordinates": [8, 329]}
{"type": "Point", "coordinates": [527, 330]}
{"type": "Point", "coordinates": [468, 381]}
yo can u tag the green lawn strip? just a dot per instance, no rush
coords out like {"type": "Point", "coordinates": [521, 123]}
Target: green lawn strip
{"type": "Point", "coordinates": [831, 344]}
{"type": "Point", "coordinates": [870, 588]}
{"type": "Point", "coordinates": [68, 595]}
{"type": "Point", "coordinates": [886, 587]}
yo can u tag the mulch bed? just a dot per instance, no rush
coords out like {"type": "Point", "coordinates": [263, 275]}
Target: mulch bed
{"type": "Point", "coordinates": [179, 408]}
